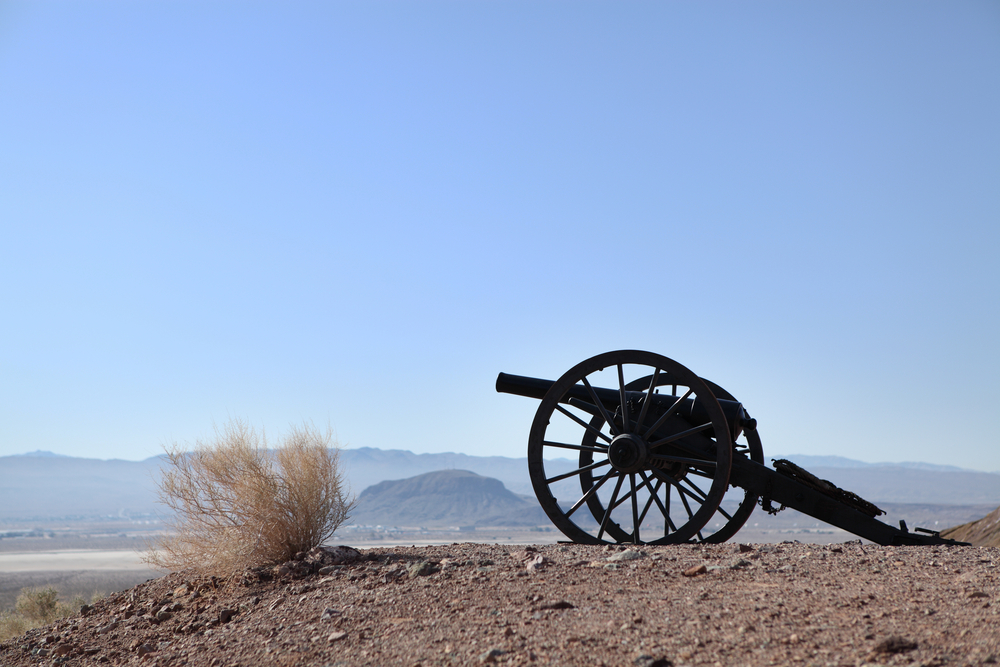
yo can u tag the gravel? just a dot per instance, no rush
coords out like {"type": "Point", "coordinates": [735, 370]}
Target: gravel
{"type": "Point", "coordinates": [468, 604]}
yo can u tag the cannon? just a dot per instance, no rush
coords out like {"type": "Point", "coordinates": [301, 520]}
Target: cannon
{"type": "Point", "coordinates": [653, 452]}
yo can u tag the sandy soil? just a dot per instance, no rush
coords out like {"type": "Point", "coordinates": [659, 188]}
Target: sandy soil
{"type": "Point", "coordinates": [470, 604]}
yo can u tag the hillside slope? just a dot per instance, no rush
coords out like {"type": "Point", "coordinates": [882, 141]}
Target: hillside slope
{"type": "Point", "coordinates": [476, 604]}
{"type": "Point", "coordinates": [982, 533]}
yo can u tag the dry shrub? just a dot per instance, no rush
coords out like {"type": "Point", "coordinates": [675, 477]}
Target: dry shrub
{"type": "Point", "coordinates": [235, 504]}
{"type": "Point", "coordinates": [13, 625]}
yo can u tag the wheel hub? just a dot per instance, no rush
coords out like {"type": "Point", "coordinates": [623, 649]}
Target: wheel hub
{"type": "Point", "coordinates": [628, 453]}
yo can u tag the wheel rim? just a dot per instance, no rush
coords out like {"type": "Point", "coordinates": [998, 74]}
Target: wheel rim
{"type": "Point", "coordinates": [628, 470]}
{"type": "Point", "coordinates": [748, 445]}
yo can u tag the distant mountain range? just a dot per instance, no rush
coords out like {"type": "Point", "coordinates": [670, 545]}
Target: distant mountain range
{"type": "Point", "coordinates": [810, 462]}
{"type": "Point", "coordinates": [44, 486]}
{"type": "Point", "coordinates": [35, 487]}
{"type": "Point", "coordinates": [923, 483]}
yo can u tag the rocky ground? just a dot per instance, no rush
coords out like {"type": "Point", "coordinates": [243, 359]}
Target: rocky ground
{"type": "Point", "coordinates": [470, 604]}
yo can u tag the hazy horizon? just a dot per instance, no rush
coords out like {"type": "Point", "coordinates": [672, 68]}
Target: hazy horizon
{"type": "Point", "coordinates": [833, 460]}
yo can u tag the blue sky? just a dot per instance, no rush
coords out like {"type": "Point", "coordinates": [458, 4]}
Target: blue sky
{"type": "Point", "coordinates": [357, 214]}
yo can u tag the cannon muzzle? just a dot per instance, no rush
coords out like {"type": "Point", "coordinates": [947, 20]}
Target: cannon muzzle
{"type": "Point", "coordinates": [691, 409]}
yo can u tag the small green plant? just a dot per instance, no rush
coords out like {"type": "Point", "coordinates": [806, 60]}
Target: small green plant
{"type": "Point", "coordinates": [36, 607]}
{"type": "Point", "coordinates": [236, 504]}
{"type": "Point", "coordinates": [39, 605]}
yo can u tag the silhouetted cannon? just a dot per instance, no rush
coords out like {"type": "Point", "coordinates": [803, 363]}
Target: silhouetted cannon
{"type": "Point", "coordinates": [656, 448]}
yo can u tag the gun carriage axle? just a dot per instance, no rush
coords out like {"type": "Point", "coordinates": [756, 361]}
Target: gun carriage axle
{"type": "Point", "coordinates": [656, 453]}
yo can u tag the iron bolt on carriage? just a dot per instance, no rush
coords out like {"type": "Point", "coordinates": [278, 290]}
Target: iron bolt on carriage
{"type": "Point", "coordinates": [656, 449]}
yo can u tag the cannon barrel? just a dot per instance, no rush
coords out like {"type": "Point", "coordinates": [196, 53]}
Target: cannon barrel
{"type": "Point", "coordinates": [692, 409]}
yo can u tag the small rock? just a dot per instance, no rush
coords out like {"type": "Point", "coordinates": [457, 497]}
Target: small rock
{"type": "Point", "coordinates": [491, 655]}
{"type": "Point", "coordinates": [539, 562]}
{"type": "Point", "coordinates": [226, 615]}
{"type": "Point", "coordinates": [650, 661]}
{"type": "Point", "coordinates": [63, 649]}
{"type": "Point", "coordinates": [105, 629]}
{"type": "Point", "coordinates": [739, 564]}
{"type": "Point", "coordinates": [337, 636]}
{"type": "Point", "coordinates": [421, 569]}
{"type": "Point", "coordinates": [163, 615]}
{"type": "Point", "coordinates": [156, 606]}
{"type": "Point", "coordinates": [338, 555]}
{"type": "Point", "coordinates": [328, 614]}
{"type": "Point", "coordinates": [561, 604]}
{"type": "Point", "coordinates": [628, 554]}
{"type": "Point", "coordinates": [695, 570]}
{"type": "Point", "coordinates": [745, 548]}
{"type": "Point", "coordinates": [145, 649]}
{"type": "Point", "coordinates": [894, 644]}
{"type": "Point", "coordinates": [978, 594]}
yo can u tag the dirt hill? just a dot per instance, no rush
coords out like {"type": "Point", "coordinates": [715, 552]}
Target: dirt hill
{"type": "Point", "coordinates": [472, 604]}
{"type": "Point", "coordinates": [445, 498]}
{"type": "Point", "coordinates": [982, 533]}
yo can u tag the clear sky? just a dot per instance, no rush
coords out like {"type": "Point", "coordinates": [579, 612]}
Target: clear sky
{"type": "Point", "coordinates": [357, 214]}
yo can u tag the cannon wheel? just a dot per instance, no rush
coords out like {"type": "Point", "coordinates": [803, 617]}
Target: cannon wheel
{"type": "Point", "coordinates": [643, 472]}
{"type": "Point", "coordinates": [748, 444]}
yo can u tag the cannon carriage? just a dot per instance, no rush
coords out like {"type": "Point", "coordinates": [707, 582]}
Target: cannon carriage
{"type": "Point", "coordinates": [659, 455]}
